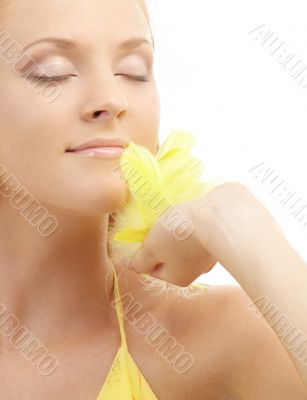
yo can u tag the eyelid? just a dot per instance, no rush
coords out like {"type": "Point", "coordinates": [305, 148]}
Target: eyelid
{"type": "Point", "coordinates": [125, 63]}
{"type": "Point", "coordinates": [53, 62]}
{"type": "Point", "coordinates": [49, 64]}
{"type": "Point", "coordinates": [145, 56]}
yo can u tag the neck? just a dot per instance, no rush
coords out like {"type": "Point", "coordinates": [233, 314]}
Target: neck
{"type": "Point", "coordinates": [57, 285]}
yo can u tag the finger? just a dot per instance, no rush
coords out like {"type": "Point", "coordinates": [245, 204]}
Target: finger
{"type": "Point", "coordinates": [159, 272]}
{"type": "Point", "coordinates": [143, 260]}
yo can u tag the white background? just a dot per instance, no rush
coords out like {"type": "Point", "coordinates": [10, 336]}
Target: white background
{"type": "Point", "coordinates": [217, 81]}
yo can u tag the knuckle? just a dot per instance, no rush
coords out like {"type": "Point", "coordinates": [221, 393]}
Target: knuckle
{"type": "Point", "coordinates": [233, 186]}
{"type": "Point", "coordinates": [149, 251]}
{"type": "Point", "coordinates": [224, 194]}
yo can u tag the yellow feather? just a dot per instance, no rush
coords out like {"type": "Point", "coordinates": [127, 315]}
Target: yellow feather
{"type": "Point", "coordinates": [156, 182]}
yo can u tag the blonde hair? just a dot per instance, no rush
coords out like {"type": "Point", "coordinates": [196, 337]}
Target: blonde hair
{"type": "Point", "coordinates": [143, 5]}
{"type": "Point", "coordinates": [144, 8]}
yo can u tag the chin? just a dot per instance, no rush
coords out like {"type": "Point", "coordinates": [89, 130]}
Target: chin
{"type": "Point", "coordinates": [93, 200]}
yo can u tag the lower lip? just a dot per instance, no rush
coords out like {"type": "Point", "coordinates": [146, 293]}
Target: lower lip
{"type": "Point", "coordinates": [101, 152]}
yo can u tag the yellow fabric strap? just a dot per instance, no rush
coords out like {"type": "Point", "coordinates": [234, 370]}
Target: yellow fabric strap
{"type": "Point", "coordinates": [119, 309]}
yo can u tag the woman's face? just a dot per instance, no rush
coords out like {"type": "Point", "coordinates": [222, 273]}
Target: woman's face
{"type": "Point", "coordinates": [38, 126]}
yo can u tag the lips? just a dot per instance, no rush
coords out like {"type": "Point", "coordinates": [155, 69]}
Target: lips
{"type": "Point", "coordinates": [100, 142]}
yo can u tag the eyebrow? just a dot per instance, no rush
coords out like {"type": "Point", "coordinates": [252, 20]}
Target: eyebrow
{"type": "Point", "coordinates": [68, 44]}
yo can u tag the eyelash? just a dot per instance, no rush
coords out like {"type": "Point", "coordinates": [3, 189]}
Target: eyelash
{"type": "Point", "coordinates": [137, 78]}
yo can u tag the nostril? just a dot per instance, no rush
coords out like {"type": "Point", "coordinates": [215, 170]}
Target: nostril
{"type": "Point", "coordinates": [98, 113]}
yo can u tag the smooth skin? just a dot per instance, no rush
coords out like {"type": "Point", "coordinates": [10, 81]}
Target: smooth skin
{"type": "Point", "coordinates": [60, 286]}
{"type": "Point", "coordinates": [232, 227]}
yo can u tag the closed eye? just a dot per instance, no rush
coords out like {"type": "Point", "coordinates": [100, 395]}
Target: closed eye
{"type": "Point", "coordinates": [139, 78]}
{"type": "Point", "coordinates": [51, 78]}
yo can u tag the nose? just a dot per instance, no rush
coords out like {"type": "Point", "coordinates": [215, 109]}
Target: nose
{"type": "Point", "coordinates": [105, 100]}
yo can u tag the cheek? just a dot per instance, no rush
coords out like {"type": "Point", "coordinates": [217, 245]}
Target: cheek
{"type": "Point", "coordinates": [22, 112]}
{"type": "Point", "coordinates": [26, 138]}
{"type": "Point", "coordinates": [16, 117]}
{"type": "Point", "coordinates": [29, 118]}
{"type": "Point", "coordinates": [147, 120]}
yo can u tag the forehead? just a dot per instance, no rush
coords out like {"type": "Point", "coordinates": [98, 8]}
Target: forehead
{"type": "Point", "coordinates": [114, 20]}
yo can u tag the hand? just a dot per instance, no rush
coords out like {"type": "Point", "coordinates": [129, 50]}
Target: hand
{"type": "Point", "coordinates": [224, 225]}
{"type": "Point", "coordinates": [172, 251]}
{"type": "Point", "coordinates": [234, 226]}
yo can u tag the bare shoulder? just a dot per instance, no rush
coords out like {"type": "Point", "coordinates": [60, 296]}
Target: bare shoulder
{"type": "Point", "coordinates": [249, 357]}
{"type": "Point", "coordinates": [236, 355]}
{"type": "Point", "coordinates": [200, 319]}
{"type": "Point", "coordinates": [191, 322]}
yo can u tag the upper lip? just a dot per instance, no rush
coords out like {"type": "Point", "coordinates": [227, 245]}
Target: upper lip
{"type": "Point", "coordinates": [101, 142]}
